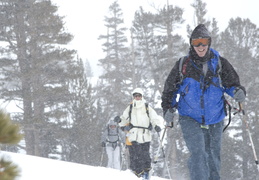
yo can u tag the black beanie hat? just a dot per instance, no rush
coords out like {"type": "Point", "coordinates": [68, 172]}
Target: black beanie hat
{"type": "Point", "coordinates": [200, 32]}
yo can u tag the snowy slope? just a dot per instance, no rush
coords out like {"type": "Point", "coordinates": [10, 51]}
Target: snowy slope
{"type": "Point", "coordinates": [36, 168]}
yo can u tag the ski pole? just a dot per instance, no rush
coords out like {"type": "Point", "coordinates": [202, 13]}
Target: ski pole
{"type": "Point", "coordinates": [123, 156]}
{"type": "Point", "coordinates": [168, 125]}
{"type": "Point", "coordinates": [249, 133]}
{"type": "Point", "coordinates": [102, 157]}
{"type": "Point", "coordinates": [163, 152]}
{"type": "Point", "coordinates": [160, 145]}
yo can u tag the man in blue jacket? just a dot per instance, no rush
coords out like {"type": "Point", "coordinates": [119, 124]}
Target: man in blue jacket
{"type": "Point", "coordinates": [200, 86]}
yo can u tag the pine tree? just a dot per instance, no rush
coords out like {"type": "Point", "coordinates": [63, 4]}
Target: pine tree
{"type": "Point", "coordinates": [113, 86]}
{"type": "Point", "coordinates": [200, 12]}
{"type": "Point", "coordinates": [215, 35]}
{"type": "Point", "coordinates": [9, 134]}
{"type": "Point", "coordinates": [170, 47]}
{"type": "Point", "coordinates": [80, 141]}
{"type": "Point", "coordinates": [143, 47]}
{"type": "Point", "coordinates": [34, 69]}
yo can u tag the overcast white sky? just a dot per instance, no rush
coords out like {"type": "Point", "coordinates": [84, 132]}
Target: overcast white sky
{"type": "Point", "coordinates": [84, 19]}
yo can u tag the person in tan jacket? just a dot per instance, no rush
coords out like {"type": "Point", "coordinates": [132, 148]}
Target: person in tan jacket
{"type": "Point", "coordinates": [139, 119]}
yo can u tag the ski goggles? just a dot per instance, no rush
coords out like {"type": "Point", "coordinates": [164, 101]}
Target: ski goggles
{"type": "Point", "coordinates": [112, 126]}
{"type": "Point", "coordinates": [201, 41]}
{"type": "Point", "coordinates": [137, 95]}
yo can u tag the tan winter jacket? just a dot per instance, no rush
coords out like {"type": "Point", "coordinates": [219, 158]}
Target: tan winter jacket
{"type": "Point", "coordinates": [139, 118]}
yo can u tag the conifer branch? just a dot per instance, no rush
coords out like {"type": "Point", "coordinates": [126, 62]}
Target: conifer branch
{"type": "Point", "coordinates": [8, 170]}
{"type": "Point", "coordinates": [9, 132]}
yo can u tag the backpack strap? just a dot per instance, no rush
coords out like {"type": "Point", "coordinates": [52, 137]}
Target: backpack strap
{"type": "Point", "coordinates": [182, 66]}
{"type": "Point", "coordinates": [130, 110]}
{"type": "Point", "coordinates": [147, 110]}
{"type": "Point", "coordinates": [219, 71]}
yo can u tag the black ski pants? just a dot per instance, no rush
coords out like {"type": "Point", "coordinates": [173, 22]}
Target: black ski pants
{"type": "Point", "coordinates": [140, 160]}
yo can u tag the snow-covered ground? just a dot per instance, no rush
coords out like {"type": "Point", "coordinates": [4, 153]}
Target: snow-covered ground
{"type": "Point", "coordinates": [36, 168]}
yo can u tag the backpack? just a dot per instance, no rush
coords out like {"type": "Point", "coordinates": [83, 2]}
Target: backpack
{"type": "Point", "coordinates": [147, 111]}
{"type": "Point", "coordinates": [110, 134]}
{"type": "Point", "coordinates": [182, 70]}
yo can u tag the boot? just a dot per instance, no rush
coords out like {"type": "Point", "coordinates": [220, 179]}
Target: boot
{"type": "Point", "coordinates": [145, 176]}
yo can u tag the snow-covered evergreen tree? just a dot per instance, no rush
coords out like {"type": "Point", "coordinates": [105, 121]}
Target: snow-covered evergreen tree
{"type": "Point", "coordinates": [113, 88]}
{"type": "Point", "coordinates": [34, 69]}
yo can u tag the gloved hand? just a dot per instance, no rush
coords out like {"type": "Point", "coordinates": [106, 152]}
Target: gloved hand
{"type": "Point", "coordinates": [157, 129]}
{"type": "Point", "coordinates": [117, 119]}
{"type": "Point", "coordinates": [150, 127]}
{"type": "Point", "coordinates": [169, 115]}
{"type": "Point", "coordinates": [103, 144]}
{"type": "Point", "coordinates": [239, 95]}
{"type": "Point", "coordinates": [129, 127]}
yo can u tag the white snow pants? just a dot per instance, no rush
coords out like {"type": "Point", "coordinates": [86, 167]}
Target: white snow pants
{"type": "Point", "coordinates": [113, 157]}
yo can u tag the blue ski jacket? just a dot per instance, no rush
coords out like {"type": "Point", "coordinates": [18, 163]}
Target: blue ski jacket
{"type": "Point", "coordinates": [198, 95]}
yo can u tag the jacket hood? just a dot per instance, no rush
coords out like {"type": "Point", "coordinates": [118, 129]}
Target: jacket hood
{"type": "Point", "coordinates": [200, 32]}
{"type": "Point", "coordinates": [111, 122]}
{"type": "Point", "coordinates": [137, 90]}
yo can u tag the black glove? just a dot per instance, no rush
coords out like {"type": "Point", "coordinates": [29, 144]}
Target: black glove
{"type": "Point", "coordinates": [169, 115]}
{"type": "Point", "coordinates": [150, 127]}
{"type": "Point", "coordinates": [128, 128]}
{"type": "Point", "coordinates": [103, 144]}
{"type": "Point", "coordinates": [239, 95]}
{"type": "Point", "coordinates": [117, 119]}
{"type": "Point", "coordinates": [157, 129]}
